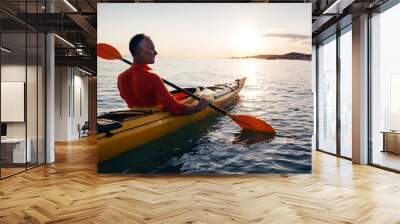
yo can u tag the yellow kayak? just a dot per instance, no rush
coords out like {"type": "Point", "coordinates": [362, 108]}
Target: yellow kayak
{"type": "Point", "coordinates": [121, 131]}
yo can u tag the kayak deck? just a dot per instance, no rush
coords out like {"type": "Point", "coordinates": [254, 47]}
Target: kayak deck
{"type": "Point", "coordinates": [120, 131]}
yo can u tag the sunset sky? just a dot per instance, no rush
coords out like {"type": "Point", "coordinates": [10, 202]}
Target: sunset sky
{"type": "Point", "coordinates": [208, 30]}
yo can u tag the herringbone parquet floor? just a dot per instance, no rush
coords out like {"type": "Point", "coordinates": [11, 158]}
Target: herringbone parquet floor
{"type": "Point", "coordinates": [70, 191]}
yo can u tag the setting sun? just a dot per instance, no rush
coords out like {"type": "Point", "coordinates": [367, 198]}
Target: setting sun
{"type": "Point", "coordinates": [248, 41]}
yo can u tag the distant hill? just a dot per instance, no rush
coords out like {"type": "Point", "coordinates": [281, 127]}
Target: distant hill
{"type": "Point", "coordinates": [288, 56]}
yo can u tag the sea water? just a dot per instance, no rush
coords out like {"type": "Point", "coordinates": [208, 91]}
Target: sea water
{"type": "Point", "coordinates": [277, 91]}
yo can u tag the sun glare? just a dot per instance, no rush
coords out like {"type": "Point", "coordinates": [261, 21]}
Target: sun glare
{"type": "Point", "coordinates": [248, 41]}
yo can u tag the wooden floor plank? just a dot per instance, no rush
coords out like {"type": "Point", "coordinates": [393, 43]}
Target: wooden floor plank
{"type": "Point", "coordinates": [70, 191]}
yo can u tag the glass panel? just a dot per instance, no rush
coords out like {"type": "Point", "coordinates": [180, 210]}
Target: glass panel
{"type": "Point", "coordinates": [394, 102]}
{"type": "Point", "coordinates": [31, 98]}
{"type": "Point", "coordinates": [31, 101]}
{"type": "Point", "coordinates": [23, 81]}
{"type": "Point", "coordinates": [346, 94]}
{"type": "Point", "coordinates": [41, 99]}
{"type": "Point", "coordinates": [386, 89]}
{"type": "Point", "coordinates": [327, 96]}
{"type": "Point", "coordinates": [13, 86]}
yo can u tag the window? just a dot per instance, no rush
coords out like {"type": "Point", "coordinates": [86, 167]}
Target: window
{"type": "Point", "coordinates": [346, 93]}
{"type": "Point", "coordinates": [327, 96]}
{"type": "Point", "coordinates": [385, 89]}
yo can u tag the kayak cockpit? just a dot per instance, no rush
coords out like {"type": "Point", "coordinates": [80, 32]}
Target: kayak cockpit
{"type": "Point", "coordinates": [179, 95]}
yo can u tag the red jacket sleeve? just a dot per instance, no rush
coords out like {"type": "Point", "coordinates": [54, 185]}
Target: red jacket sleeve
{"type": "Point", "coordinates": [167, 100]}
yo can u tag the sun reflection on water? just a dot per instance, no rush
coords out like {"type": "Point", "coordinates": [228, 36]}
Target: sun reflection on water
{"type": "Point", "coordinates": [248, 67]}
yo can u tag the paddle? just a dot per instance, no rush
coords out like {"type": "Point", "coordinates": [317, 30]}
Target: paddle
{"type": "Point", "coordinates": [108, 52]}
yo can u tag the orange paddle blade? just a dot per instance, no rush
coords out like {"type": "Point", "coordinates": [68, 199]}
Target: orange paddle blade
{"type": "Point", "coordinates": [252, 123]}
{"type": "Point", "coordinates": [107, 52]}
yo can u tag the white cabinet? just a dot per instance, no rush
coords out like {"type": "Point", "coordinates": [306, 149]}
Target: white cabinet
{"type": "Point", "coordinates": [16, 147]}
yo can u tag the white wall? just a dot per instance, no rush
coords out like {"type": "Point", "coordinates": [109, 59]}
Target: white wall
{"type": "Point", "coordinates": [71, 87]}
{"type": "Point", "coordinates": [62, 80]}
{"type": "Point", "coordinates": [13, 72]}
{"type": "Point", "coordinates": [79, 112]}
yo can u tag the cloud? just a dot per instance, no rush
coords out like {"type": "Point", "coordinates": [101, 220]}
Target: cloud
{"type": "Point", "coordinates": [285, 34]}
{"type": "Point", "coordinates": [288, 36]}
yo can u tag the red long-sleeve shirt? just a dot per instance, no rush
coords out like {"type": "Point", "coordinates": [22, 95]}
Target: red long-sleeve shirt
{"type": "Point", "coordinates": [139, 87]}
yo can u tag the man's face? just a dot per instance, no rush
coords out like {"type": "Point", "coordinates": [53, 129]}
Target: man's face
{"type": "Point", "coordinates": [147, 51]}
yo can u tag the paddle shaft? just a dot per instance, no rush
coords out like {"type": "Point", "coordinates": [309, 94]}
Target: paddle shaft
{"type": "Point", "coordinates": [185, 91]}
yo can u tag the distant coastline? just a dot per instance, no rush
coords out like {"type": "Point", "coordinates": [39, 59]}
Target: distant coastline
{"type": "Point", "coordinates": [288, 56]}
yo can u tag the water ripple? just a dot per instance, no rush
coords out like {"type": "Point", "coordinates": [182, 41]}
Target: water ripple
{"type": "Point", "coordinates": [277, 91]}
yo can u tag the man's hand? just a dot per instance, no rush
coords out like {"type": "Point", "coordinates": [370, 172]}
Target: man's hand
{"type": "Point", "coordinates": [203, 103]}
